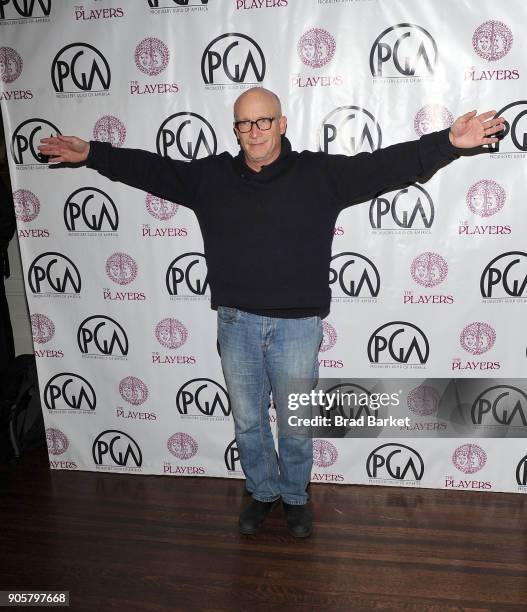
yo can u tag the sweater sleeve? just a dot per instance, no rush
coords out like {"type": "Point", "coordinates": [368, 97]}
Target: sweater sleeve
{"type": "Point", "coordinates": [363, 176]}
{"type": "Point", "coordinates": [7, 216]}
{"type": "Point", "coordinates": [170, 179]}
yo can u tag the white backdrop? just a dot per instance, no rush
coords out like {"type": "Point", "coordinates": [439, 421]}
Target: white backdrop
{"type": "Point", "coordinates": [124, 335]}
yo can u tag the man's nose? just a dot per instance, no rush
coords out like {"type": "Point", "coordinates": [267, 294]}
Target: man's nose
{"type": "Point", "coordinates": [254, 130]}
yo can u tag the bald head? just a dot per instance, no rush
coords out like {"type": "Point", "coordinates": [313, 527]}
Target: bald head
{"type": "Point", "coordinates": [258, 96]}
{"type": "Point", "coordinates": [261, 144]}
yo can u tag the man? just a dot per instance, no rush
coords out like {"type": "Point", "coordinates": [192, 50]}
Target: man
{"type": "Point", "coordinates": [267, 219]}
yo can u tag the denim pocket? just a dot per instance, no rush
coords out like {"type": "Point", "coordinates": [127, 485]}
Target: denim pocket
{"type": "Point", "coordinates": [227, 314]}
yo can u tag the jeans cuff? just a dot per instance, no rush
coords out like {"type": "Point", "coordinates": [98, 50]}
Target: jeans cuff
{"type": "Point", "coordinates": [266, 501]}
{"type": "Point", "coordinates": [294, 502]}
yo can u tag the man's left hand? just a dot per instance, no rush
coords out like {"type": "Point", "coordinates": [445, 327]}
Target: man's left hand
{"type": "Point", "coordinates": [472, 130]}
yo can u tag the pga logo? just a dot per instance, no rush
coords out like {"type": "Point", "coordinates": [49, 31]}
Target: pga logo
{"type": "Point", "coordinates": [352, 275]}
{"type": "Point", "coordinates": [408, 208]}
{"type": "Point", "coordinates": [116, 448]}
{"type": "Point", "coordinates": [203, 396]}
{"type": "Point", "coordinates": [101, 335]}
{"type": "Point", "coordinates": [90, 209]}
{"type": "Point", "coordinates": [513, 138]}
{"type": "Point", "coordinates": [500, 405]}
{"type": "Point", "coordinates": [233, 57]}
{"type": "Point", "coordinates": [26, 138]}
{"type": "Point", "coordinates": [80, 67]}
{"type": "Point", "coordinates": [187, 275]}
{"type": "Point", "coordinates": [68, 391]}
{"type": "Point", "coordinates": [398, 342]}
{"type": "Point", "coordinates": [395, 462]}
{"type": "Point", "coordinates": [54, 273]}
{"type": "Point", "coordinates": [403, 50]}
{"type": "Point", "coordinates": [186, 136]}
{"type": "Point", "coordinates": [349, 130]}
{"type": "Point", "coordinates": [505, 276]}
{"type": "Point", "coordinates": [24, 9]}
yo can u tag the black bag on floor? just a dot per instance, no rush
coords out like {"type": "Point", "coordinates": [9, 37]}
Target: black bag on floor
{"type": "Point", "coordinates": [21, 421]}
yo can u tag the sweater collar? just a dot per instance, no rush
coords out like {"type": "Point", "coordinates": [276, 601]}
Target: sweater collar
{"type": "Point", "coordinates": [273, 169]}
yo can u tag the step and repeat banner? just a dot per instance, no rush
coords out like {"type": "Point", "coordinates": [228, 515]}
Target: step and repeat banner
{"type": "Point", "coordinates": [429, 281]}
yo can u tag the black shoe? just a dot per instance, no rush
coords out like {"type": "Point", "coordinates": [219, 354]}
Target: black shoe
{"type": "Point", "coordinates": [253, 517]}
{"type": "Point", "coordinates": [299, 520]}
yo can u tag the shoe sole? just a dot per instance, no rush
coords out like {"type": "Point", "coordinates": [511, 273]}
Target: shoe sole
{"type": "Point", "coordinates": [300, 536]}
{"type": "Point", "coordinates": [249, 531]}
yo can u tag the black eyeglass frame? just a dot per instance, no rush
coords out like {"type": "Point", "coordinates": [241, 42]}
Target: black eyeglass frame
{"type": "Point", "coordinates": [255, 122]}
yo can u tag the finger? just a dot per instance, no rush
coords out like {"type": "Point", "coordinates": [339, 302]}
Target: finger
{"type": "Point", "coordinates": [66, 138]}
{"type": "Point", "coordinates": [56, 160]}
{"type": "Point", "coordinates": [50, 139]}
{"type": "Point", "coordinates": [492, 122]}
{"type": "Point", "coordinates": [493, 130]}
{"type": "Point", "coordinates": [469, 115]}
{"type": "Point", "coordinates": [485, 116]}
{"type": "Point", "coordinates": [489, 140]}
{"type": "Point", "coordinates": [50, 150]}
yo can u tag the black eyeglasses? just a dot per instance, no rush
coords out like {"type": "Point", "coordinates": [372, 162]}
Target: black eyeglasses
{"type": "Point", "coordinates": [263, 123]}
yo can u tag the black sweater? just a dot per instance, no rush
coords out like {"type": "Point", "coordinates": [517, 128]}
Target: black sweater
{"type": "Point", "coordinates": [268, 234]}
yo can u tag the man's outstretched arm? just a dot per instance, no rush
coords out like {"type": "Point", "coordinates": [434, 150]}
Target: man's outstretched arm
{"type": "Point", "coordinates": [170, 179]}
{"type": "Point", "coordinates": [365, 175]}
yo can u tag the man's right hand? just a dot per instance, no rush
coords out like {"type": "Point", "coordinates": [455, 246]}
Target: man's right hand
{"type": "Point", "coordinates": [65, 149]}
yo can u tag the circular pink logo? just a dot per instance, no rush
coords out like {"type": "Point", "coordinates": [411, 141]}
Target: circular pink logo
{"type": "Point", "coordinates": [11, 65]}
{"type": "Point", "coordinates": [324, 453]}
{"type": "Point", "coordinates": [171, 333]}
{"type": "Point", "coordinates": [42, 328]}
{"type": "Point", "coordinates": [316, 47]}
{"type": "Point", "coordinates": [151, 56]}
{"type": "Point", "coordinates": [133, 390]}
{"type": "Point", "coordinates": [469, 458]}
{"type": "Point", "coordinates": [429, 269]}
{"type": "Point", "coordinates": [109, 129]}
{"type": "Point", "coordinates": [477, 338]}
{"type": "Point", "coordinates": [121, 268]}
{"type": "Point", "coordinates": [423, 400]}
{"type": "Point", "coordinates": [432, 118]}
{"type": "Point", "coordinates": [329, 337]}
{"type": "Point", "coordinates": [182, 446]}
{"type": "Point", "coordinates": [485, 198]}
{"type": "Point", "coordinates": [27, 205]}
{"type": "Point", "coordinates": [492, 40]}
{"type": "Point", "coordinates": [159, 208]}
{"type": "Point", "coordinates": [56, 441]}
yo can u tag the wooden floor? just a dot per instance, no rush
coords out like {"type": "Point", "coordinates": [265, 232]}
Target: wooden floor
{"type": "Point", "coordinates": [123, 542]}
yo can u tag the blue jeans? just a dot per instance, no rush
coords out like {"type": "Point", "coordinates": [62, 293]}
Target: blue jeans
{"type": "Point", "coordinates": [260, 354]}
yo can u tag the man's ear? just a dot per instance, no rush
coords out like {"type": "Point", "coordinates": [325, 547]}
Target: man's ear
{"type": "Point", "coordinates": [236, 134]}
{"type": "Point", "coordinates": [283, 124]}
